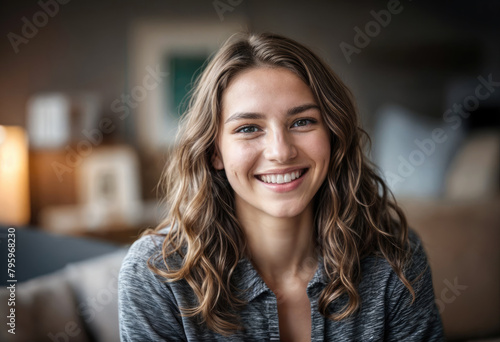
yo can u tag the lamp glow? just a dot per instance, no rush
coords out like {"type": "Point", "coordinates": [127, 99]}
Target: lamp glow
{"type": "Point", "coordinates": [14, 177]}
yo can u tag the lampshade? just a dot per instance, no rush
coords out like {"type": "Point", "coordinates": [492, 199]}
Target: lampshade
{"type": "Point", "coordinates": [14, 178]}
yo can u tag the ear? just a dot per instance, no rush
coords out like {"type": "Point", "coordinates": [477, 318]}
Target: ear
{"type": "Point", "coordinates": [217, 162]}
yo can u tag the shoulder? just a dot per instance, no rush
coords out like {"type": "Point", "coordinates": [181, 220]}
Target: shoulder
{"type": "Point", "coordinates": [417, 263]}
{"type": "Point", "coordinates": [145, 251]}
{"type": "Point", "coordinates": [378, 267]}
{"type": "Point", "coordinates": [138, 282]}
{"type": "Point", "coordinates": [381, 284]}
{"type": "Point", "coordinates": [147, 303]}
{"type": "Point", "coordinates": [388, 308]}
{"type": "Point", "coordinates": [380, 281]}
{"type": "Point", "coordinates": [147, 245]}
{"type": "Point", "coordinates": [378, 276]}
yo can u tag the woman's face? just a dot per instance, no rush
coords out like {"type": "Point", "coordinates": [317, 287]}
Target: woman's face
{"type": "Point", "coordinates": [273, 143]}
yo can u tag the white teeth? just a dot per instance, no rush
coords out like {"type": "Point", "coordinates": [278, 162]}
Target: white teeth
{"type": "Point", "coordinates": [280, 178]}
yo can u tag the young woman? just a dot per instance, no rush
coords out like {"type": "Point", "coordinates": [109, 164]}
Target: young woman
{"type": "Point", "coordinates": [278, 226]}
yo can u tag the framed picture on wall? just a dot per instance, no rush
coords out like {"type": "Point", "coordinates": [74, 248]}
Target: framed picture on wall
{"type": "Point", "coordinates": [166, 57]}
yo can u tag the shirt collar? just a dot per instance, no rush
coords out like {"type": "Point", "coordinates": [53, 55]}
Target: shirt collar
{"type": "Point", "coordinates": [248, 280]}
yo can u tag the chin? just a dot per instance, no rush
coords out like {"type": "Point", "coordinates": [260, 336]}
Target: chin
{"type": "Point", "coordinates": [285, 212]}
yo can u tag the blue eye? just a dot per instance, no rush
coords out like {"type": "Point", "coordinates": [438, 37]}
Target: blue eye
{"type": "Point", "coordinates": [303, 122]}
{"type": "Point", "coordinates": [247, 129]}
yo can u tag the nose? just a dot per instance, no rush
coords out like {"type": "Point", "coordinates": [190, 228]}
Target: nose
{"type": "Point", "coordinates": [280, 147]}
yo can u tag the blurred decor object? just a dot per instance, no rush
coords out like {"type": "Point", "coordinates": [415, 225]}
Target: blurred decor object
{"type": "Point", "coordinates": [56, 120]}
{"type": "Point", "coordinates": [64, 128]}
{"type": "Point", "coordinates": [48, 120]}
{"type": "Point", "coordinates": [165, 57]}
{"type": "Point", "coordinates": [64, 219]}
{"type": "Point", "coordinates": [14, 178]}
{"type": "Point", "coordinates": [475, 172]}
{"type": "Point", "coordinates": [52, 180]}
{"type": "Point", "coordinates": [107, 192]}
{"type": "Point", "coordinates": [86, 109]}
{"type": "Point", "coordinates": [414, 151]}
{"type": "Point", "coordinates": [108, 186]}
{"type": "Point", "coordinates": [184, 70]}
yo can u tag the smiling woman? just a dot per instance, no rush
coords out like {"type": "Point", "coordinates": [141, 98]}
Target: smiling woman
{"type": "Point", "coordinates": [278, 226]}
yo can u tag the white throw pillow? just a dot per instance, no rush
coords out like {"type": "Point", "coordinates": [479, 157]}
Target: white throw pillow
{"type": "Point", "coordinates": [414, 151]}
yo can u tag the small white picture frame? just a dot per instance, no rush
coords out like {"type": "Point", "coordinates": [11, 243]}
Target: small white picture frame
{"type": "Point", "coordinates": [108, 185]}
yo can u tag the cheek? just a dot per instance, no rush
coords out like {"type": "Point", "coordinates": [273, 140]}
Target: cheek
{"type": "Point", "coordinates": [318, 147]}
{"type": "Point", "coordinates": [322, 152]}
{"type": "Point", "coordinates": [239, 159]}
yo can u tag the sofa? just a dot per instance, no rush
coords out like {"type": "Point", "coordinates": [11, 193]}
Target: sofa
{"type": "Point", "coordinates": [66, 289]}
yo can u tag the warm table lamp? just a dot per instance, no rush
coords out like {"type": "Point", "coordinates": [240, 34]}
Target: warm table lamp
{"type": "Point", "coordinates": [14, 178]}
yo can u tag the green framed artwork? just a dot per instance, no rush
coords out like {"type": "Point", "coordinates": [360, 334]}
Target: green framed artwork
{"type": "Point", "coordinates": [179, 49]}
{"type": "Point", "coordinates": [184, 70]}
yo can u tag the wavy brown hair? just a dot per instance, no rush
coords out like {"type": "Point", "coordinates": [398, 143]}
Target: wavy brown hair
{"type": "Point", "coordinates": [356, 215]}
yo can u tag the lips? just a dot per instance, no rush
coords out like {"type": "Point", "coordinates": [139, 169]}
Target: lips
{"type": "Point", "coordinates": [281, 178]}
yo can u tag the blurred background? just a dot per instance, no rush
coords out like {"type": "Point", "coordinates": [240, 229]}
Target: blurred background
{"type": "Point", "coordinates": [91, 93]}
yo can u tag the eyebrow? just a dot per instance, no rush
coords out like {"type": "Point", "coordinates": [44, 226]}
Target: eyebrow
{"type": "Point", "coordinates": [255, 116]}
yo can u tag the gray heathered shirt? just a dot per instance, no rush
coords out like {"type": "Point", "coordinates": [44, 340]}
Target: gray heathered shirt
{"type": "Point", "coordinates": [149, 307]}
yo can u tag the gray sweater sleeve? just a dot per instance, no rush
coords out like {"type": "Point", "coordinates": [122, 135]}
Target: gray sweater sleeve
{"type": "Point", "coordinates": [147, 307]}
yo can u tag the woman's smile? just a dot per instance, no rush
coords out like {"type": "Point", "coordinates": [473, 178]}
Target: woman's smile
{"type": "Point", "coordinates": [284, 181]}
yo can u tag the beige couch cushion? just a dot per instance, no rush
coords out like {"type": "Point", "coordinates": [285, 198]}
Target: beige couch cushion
{"type": "Point", "coordinates": [462, 240]}
{"type": "Point", "coordinates": [475, 171]}
{"type": "Point", "coordinates": [45, 311]}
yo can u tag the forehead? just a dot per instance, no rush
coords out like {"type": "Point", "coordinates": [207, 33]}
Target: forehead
{"type": "Point", "coordinates": [265, 89]}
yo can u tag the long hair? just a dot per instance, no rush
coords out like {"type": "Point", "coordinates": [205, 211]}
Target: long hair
{"type": "Point", "coordinates": [356, 215]}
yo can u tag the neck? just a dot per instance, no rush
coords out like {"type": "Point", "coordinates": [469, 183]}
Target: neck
{"type": "Point", "coordinates": [281, 248]}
